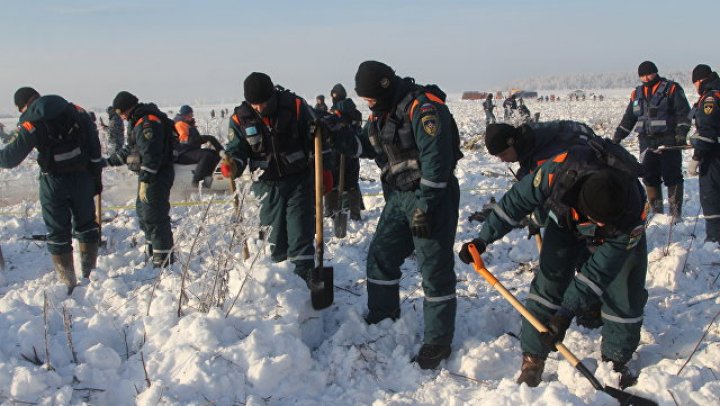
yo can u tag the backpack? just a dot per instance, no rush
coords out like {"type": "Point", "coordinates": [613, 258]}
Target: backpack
{"type": "Point", "coordinates": [615, 156]}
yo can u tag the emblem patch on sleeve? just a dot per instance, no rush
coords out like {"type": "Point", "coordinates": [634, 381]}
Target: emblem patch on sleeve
{"type": "Point", "coordinates": [431, 124]}
{"type": "Point", "coordinates": [635, 236]}
{"type": "Point", "coordinates": [708, 105]}
{"type": "Point", "coordinates": [148, 132]}
{"type": "Point", "coordinates": [538, 178]}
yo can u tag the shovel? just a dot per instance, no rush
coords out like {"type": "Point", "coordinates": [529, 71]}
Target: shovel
{"type": "Point", "coordinates": [321, 277]}
{"type": "Point", "coordinates": [98, 219]}
{"type": "Point", "coordinates": [340, 217]}
{"type": "Point", "coordinates": [624, 397]}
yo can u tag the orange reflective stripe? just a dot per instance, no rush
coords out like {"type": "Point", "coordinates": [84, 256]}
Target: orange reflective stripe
{"type": "Point", "coordinates": [139, 122]}
{"type": "Point", "coordinates": [672, 89]}
{"type": "Point", "coordinates": [298, 103]}
{"type": "Point", "coordinates": [28, 126]}
{"type": "Point", "coordinates": [632, 95]}
{"type": "Point", "coordinates": [266, 120]}
{"type": "Point", "coordinates": [434, 98]}
{"type": "Point", "coordinates": [337, 113]}
{"type": "Point", "coordinates": [561, 157]}
{"type": "Point", "coordinates": [540, 162]}
{"type": "Point", "coordinates": [412, 108]}
{"type": "Point", "coordinates": [153, 118]}
{"type": "Point", "coordinates": [574, 214]}
{"type": "Point", "coordinates": [236, 119]}
{"type": "Point", "coordinates": [183, 130]}
{"type": "Point", "coordinates": [551, 178]}
{"type": "Point", "coordinates": [78, 108]}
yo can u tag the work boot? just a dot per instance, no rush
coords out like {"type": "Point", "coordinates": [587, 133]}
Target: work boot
{"type": "Point", "coordinates": [148, 252]}
{"type": "Point", "coordinates": [66, 270]}
{"type": "Point", "coordinates": [162, 259]}
{"type": "Point", "coordinates": [356, 204]}
{"type": "Point", "coordinates": [88, 257]}
{"type": "Point", "coordinates": [675, 201]}
{"type": "Point", "coordinates": [591, 317]}
{"type": "Point", "coordinates": [331, 203]}
{"type": "Point", "coordinates": [430, 355]}
{"type": "Point", "coordinates": [627, 378]}
{"type": "Point", "coordinates": [377, 318]}
{"type": "Point", "coordinates": [655, 198]}
{"type": "Point", "coordinates": [531, 370]}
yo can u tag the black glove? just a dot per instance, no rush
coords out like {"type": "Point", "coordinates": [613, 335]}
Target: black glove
{"type": "Point", "coordinates": [533, 229]}
{"type": "Point", "coordinates": [118, 158]}
{"type": "Point", "coordinates": [557, 325]}
{"type": "Point", "coordinates": [464, 253]}
{"type": "Point", "coordinates": [619, 135]}
{"type": "Point", "coordinates": [420, 224]}
{"type": "Point", "coordinates": [681, 139]}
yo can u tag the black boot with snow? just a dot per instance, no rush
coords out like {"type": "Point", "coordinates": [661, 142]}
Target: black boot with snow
{"type": "Point", "coordinates": [430, 355]}
{"type": "Point", "coordinates": [627, 378]}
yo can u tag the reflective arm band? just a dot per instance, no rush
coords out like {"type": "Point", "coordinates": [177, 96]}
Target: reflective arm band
{"type": "Point", "coordinates": [67, 155]}
{"type": "Point", "coordinates": [501, 213]}
{"type": "Point", "coordinates": [146, 169]}
{"type": "Point", "coordinates": [622, 320]}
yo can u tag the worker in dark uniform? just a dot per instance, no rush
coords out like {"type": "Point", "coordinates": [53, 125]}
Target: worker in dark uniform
{"type": "Point", "coordinates": [351, 198]}
{"type": "Point", "coordinates": [706, 142]}
{"type": "Point", "coordinates": [149, 153]}
{"type": "Point", "coordinates": [271, 133]}
{"type": "Point", "coordinates": [70, 166]}
{"type": "Point", "coordinates": [598, 212]}
{"type": "Point", "coordinates": [189, 147]}
{"type": "Point", "coordinates": [489, 108]}
{"type": "Point", "coordinates": [414, 133]}
{"type": "Point", "coordinates": [660, 110]}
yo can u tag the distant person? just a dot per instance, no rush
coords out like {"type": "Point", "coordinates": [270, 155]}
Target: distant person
{"type": "Point", "coordinates": [510, 105]}
{"type": "Point", "coordinates": [115, 130]}
{"type": "Point", "coordinates": [70, 166]}
{"type": "Point", "coordinates": [189, 147]}
{"type": "Point", "coordinates": [320, 104]}
{"type": "Point", "coordinates": [706, 154]}
{"type": "Point", "coordinates": [212, 113]}
{"type": "Point", "coordinates": [351, 198]}
{"type": "Point", "coordinates": [489, 107]}
{"type": "Point", "coordinates": [523, 111]}
{"type": "Point", "coordinates": [149, 153]}
{"type": "Point", "coordinates": [660, 110]}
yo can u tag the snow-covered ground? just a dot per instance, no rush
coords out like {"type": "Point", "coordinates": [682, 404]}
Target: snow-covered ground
{"type": "Point", "coordinates": [217, 330]}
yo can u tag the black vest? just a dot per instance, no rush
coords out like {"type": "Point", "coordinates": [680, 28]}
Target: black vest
{"type": "Point", "coordinates": [655, 117]}
{"type": "Point", "coordinates": [277, 148]}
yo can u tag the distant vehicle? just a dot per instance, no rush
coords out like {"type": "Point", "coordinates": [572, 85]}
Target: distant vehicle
{"type": "Point", "coordinates": [577, 93]}
{"type": "Point", "coordinates": [526, 94]}
{"type": "Point", "coordinates": [473, 95]}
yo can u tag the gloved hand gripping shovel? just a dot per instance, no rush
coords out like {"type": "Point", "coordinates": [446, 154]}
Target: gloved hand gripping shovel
{"type": "Point", "coordinates": [340, 216]}
{"type": "Point", "coordinates": [624, 397]}
{"type": "Point", "coordinates": [321, 277]}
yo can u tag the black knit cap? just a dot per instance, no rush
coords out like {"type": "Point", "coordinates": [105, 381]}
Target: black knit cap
{"type": "Point", "coordinates": [124, 101]}
{"type": "Point", "coordinates": [701, 72]}
{"type": "Point", "coordinates": [604, 196]}
{"type": "Point", "coordinates": [375, 80]}
{"type": "Point", "coordinates": [24, 95]}
{"type": "Point", "coordinates": [647, 68]}
{"type": "Point", "coordinates": [499, 137]}
{"type": "Point", "coordinates": [258, 87]}
{"type": "Point", "coordinates": [339, 91]}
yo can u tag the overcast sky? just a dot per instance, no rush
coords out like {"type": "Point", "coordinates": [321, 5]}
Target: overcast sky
{"type": "Point", "coordinates": [181, 51]}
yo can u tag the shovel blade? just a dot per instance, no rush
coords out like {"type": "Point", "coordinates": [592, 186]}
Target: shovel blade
{"type": "Point", "coordinates": [340, 224]}
{"type": "Point", "coordinates": [627, 399]}
{"type": "Point", "coordinates": [321, 287]}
